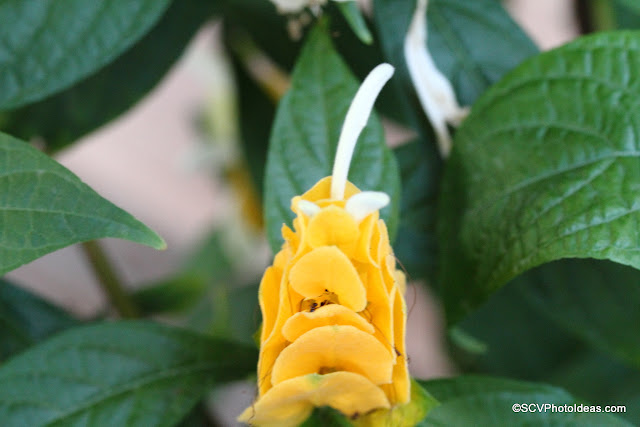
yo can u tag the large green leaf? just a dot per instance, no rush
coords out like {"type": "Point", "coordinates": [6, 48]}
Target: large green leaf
{"type": "Point", "coordinates": [486, 401]}
{"type": "Point", "coordinates": [571, 290]}
{"type": "Point", "coordinates": [126, 373]}
{"type": "Point", "coordinates": [44, 207]}
{"type": "Point", "coordinates": [522, 341]}
{"type": "Point", "coordinates": [49, 45]}
{"type": "Point", "coordinates": [26, 319]}
{"type": "Point", "coordinates": [518, 340]}
{"type": "Point", "coordinates": [472, 42]}
{"type": "Point", "coordinates": [62, 119]}
{"type": "Point", "coordinates": [544, 168]}
{"type": "Point", "coordinates": [415, 245]}
{"type": "Point", "coordinates": [305, 136]}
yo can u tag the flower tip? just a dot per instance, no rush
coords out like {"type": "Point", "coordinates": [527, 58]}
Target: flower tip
{"type": "Point", "coordinates": [385, 71]}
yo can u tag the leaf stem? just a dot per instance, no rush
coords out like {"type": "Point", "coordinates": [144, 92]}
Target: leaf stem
{"type": "Point", "coordinates": [109, 280]}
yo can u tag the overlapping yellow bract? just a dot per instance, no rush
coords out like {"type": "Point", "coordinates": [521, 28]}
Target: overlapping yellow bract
{"type": "Point", "coordinates": [333, 317]}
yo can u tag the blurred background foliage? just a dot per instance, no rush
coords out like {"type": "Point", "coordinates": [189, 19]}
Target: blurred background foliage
{"type": "Point", "coordinates": [571, 323]}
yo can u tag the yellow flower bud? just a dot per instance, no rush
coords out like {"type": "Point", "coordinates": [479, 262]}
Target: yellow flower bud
{"type": "Point", "coordinates": [333, 310]}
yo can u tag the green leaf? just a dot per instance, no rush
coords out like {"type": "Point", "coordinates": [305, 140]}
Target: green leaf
{"type": "Point", "coordinates": [415, 245]}
{"type": "Point", "coordinates": [472, 42]}
{"type": "Point", "coordinates": [486, 401]}
{"type": "Point", "coordinates": [44, 207]}
{"type": "Point", "coordinates": [63, 118]}
{"type": "Point", "coordinates": [354, 17]}
{"type": "Point", "coordinates": [523, 342]}
{"type": "Point", "coordinates": [520, 341]}
{"type": "Point", "coordinates": [125, 373]}
{"type": "Point", "coordinates": [48, 46]}
{"type": "Point", "coordinates": [571, 290]}
{"type": "Point", "coordinates": [631, 4]}
{"type": "Point", "coordinates": [595, 377]}
{"type": "Point", "coordinates": [545, 167]}
{"type": "Point", "coordinates": [305, 136]}
{"type": "Point", "coordinates": [26, 319]}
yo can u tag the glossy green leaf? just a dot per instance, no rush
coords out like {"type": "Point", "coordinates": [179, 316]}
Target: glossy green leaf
{"type": "Point", "coordinates": [415, 245]}
{"type": "Point", "coordinates": [486, 401]}
{"type": "Point", "coordinates": [125, 373]}
{"type": "Point", "coordinates": [472, 42]}
{"type": "Point", "coordinates": [544, 168]}
{"type": "Point", "coordinates": [353, 15]}
{"type": "Point", "coordinates": [44, 207]}
{"type": "Point", "coordinates": [63, 118]}
{"type": "Point", "coordinates": [49, 45]}
{"type": "Point", "coordinates": [26, 319]}
{"type": "Point", "coordinates": [305, 136]}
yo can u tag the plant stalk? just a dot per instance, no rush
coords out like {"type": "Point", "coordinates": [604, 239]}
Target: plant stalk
{"type": "Point", "coordinates": [109, 280]}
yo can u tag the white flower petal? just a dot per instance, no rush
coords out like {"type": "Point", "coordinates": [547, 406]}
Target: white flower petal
{"type": "Point", "coordinates": [362, 204]}
{"type": "Point", "coordinates": [354, 122]}
{"type": "Point", "coordinates": [308, 208]}
{"type": "Point", "coordinates": [435, 92]}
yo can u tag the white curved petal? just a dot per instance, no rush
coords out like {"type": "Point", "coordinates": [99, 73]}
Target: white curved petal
{"type": "Point", "coordinates": [308, 208]}
{"type": "Point", "coordinates": [435, 92]}
{"type": "Point", "coordinates": [354, 122]}
{"type": "Point", "coordinates": [362, 204]}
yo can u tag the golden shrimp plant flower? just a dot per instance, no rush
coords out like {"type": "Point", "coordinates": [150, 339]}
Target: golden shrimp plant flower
{"type": "Point", "coordinates": [333, 305]}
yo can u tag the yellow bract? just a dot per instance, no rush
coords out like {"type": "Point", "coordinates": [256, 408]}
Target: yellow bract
{"type": "Point", "coordinates": [331, 314]}
{"type": "Point", "coordinates": [291, 402]}
{"type": "Point", "coordinates": [333, 317]}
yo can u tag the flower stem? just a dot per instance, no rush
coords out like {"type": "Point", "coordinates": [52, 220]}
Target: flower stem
{"type": "Point", "coordinates": [109, 280]}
